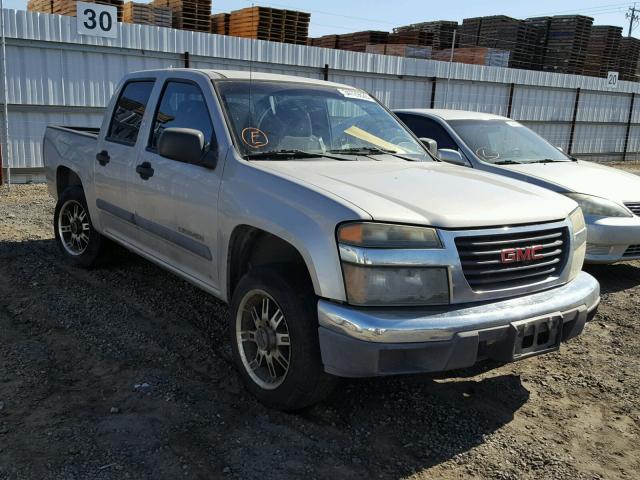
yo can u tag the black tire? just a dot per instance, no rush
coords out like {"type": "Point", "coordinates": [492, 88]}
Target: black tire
{"type": "Point", "coordinates": [95, 251]}
{"type": "Point", "coordinates": [305, 382]}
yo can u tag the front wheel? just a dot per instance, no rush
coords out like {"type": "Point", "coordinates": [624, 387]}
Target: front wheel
{"type": "Point", "coordinates": [76, 237]}
{"type": "Point", "coordinates": [274, 335]}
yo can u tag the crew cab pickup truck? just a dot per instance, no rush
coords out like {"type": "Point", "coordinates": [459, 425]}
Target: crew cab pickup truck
{"type": "Point", "coordinates": [342, 246]}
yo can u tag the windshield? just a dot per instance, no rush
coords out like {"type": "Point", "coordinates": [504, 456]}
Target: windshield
{"type": "Point", "coordinates": [506, 141]}
{"type": "Point", "coordinates": [308, 121]}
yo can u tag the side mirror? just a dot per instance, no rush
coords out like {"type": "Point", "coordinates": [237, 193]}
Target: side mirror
{"type": "Point", "coordinates": [185, 145]}
{"type": "Point", "coordinates": [431, 145]}
{"type": "Point", "coordinates": [451, 156]}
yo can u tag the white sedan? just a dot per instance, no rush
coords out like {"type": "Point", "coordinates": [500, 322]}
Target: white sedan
{"type": "Point", "coordinates": [610, 198]}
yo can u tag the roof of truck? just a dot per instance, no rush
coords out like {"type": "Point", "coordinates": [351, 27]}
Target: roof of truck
{"type": "Point", "coordinates": [246, 75]}
{"type": "Point", "coordinates": [452, 114]}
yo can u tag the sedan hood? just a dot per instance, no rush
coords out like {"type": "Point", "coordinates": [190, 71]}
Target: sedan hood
{"type": "Point", "coordinates": [435, 194]}
{"type": "Point", "coordinates": [585, 177]}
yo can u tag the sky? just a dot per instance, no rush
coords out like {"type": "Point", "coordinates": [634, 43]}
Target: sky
{"type": "Point", "coordinates": [341, 16]}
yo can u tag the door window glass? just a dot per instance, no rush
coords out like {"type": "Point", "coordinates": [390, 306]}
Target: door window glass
{"type": "Point", "coordinates": [128, 113]}
{"type": "Point", "coordinates": [182, 106]}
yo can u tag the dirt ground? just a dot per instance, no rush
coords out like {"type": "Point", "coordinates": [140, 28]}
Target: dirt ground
{"type": "Point", "coordinates": [124, 372]}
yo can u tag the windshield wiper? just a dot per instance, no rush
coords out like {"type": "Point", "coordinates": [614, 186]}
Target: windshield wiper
{"type": "Point", "coordinates": [506, 162]}
{"type": "Point", "coordinates": [547, 160]}
{"type": "Point", "coordinates": [369, 151]}
{"type": "Point", "coordinates": [289, 155]}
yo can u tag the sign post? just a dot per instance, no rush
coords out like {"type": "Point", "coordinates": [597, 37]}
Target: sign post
{"type": "Point", "coordinates": [97, 20]}
{"type": "Point", "coordinates": [5, 133]}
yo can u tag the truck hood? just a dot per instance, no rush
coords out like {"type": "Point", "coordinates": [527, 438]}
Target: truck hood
{"type": "Point", "coordinates": [435, 194]}
{"type": "Point", "coordinates": [585, 177]}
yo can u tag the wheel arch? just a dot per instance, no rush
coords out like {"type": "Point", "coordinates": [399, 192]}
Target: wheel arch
{"type": "Point", "coordinates": [65, 178]}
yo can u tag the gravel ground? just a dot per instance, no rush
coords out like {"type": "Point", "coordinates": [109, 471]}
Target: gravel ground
{"type": "Point", "coordinates": [123, 372]}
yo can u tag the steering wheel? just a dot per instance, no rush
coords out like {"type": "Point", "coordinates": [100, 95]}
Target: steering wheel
{"type": "Point", "coordinates": [487, 154]}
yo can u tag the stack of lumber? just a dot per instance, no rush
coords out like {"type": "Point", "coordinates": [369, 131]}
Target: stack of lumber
{"type": "Point", "coordinates": [502, 33]}
{"type": "Point", "coordinates": [400, 50]}
{"type": "Point", "coordinates": [358, 41]}
{"type": "Point", "coordinates": [326, 41]}
{"type": "Point", "coordinates": [411, 37]}
{"type": "Point", "coordinates": [192, 15]}
{"type": "Point", "coordinates": [541, 27]}
{"type": "Point", "coordinates": [491, 57]}
{"type": "Point", "coordinates": [629, 59]}
{"type": "Point", "coordinates": [602, 51]}
{"type": "Point", "coordinates": [262, 23]}
{"type": "Point", "coordinates": [145, 14]}
{"type": "Point", "coordinates": [441, 30]}
{"type": "Point", "coordinates": [220, 23]}
{"type": "Point", "coordinates": [68, 7]}
{"type": "Point", "coordinates": [567, 43]}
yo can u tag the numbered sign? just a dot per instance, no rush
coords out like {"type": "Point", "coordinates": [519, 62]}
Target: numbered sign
{"type": "Point", "coordinates": [97, 20]}
{"type": "Point", "coordinates": [612, 79]}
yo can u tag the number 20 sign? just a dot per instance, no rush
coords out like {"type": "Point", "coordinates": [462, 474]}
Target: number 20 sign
{"type": "Point", "coordinates": [97, 20]}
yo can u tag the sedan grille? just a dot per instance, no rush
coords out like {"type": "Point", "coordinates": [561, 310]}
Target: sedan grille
{"type": "Point", "coordinates": [632, 251]}
{"type": "Point", "coordinates": [634, 207]}
{"type": "Point", "coordinates": [501, 261]}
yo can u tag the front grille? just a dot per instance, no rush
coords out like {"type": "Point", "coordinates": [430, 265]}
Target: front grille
{"type": "Point", "coordinates": [632, 251]}
{"type": "Point", "coordinates": [634, 207]}
{"type": "Point", "coordinates": [483, 268]}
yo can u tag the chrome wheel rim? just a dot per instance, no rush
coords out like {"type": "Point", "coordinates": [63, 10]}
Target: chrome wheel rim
{"type": "Point", "coordinates": [74, 227]}
{"type": "Point", "coordinates": [262, 337]}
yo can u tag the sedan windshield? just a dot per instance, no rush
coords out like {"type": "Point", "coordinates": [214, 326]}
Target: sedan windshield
{"type": "Point", "coordinates": [506, 142]}
{"type": "Point", "coordinates": [287, 120]}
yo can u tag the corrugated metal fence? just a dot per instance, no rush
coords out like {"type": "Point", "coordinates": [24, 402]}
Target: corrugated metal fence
{"type": "Point", "coordinates": [59, 77]}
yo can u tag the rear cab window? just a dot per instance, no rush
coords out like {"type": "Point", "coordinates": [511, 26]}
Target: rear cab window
{"type": "Point", "coordinates": [129, 111]}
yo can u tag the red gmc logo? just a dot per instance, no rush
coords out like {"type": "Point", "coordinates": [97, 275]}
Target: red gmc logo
{"type": "Point", "coordinates": [524, 254]}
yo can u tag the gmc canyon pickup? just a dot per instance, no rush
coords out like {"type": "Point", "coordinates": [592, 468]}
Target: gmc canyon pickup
{"type": "Point", "coordinates": [342, 246]}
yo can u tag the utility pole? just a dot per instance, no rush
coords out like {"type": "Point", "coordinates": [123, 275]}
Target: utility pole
{"type": "Point", "coordinates": [7, 154]}
{"type": "Point", "coordinates": [633, 14]}
{"type": "Point", "coordinates": [446, 92]}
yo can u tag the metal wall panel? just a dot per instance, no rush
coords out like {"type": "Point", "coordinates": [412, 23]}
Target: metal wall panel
{"type": "Point", "coordinates": [602, 107]}
{"type": "Point", "coordinates": [393, 92]}
{"type": "Point", "coordinates": [555, 133]}
{"type": "Point", "coordinates": [634, 139]}
{"type": "Point", "coordinates": [593, 138]}
{"type": "Point", "coordinates": [474, 96]}
{"type": "Point", "coordinates": [548, 104]}
{"type": "Point", "coordinates": [26, 131]}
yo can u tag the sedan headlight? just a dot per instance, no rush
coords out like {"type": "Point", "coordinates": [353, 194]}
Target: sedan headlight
{"type": "Point", "coordinates": [599, 207]}
{"type": "Point", "coordinates": [388, 280]}
{"type": "Point", "coordinates": [579, 232]}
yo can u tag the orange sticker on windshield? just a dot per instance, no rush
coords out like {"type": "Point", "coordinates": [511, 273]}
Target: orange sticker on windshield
{"type": "Point", "coordinates": [254, 137]}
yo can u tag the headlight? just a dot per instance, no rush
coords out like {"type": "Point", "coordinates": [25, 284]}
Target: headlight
{"type": "Point", "coordinates": [579, 232]}
{"type": "Point", "coordinates": [387, 286]}
{"type": "Point", "coordinates": [599, 207]}
{"type": "Point", "coordinates": [388, 280]}
{"type": "Point", "coordinates": [386, 235]}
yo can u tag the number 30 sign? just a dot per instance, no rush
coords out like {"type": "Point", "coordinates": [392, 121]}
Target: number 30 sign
{"type": "Point", "coordinates": [98, 20]}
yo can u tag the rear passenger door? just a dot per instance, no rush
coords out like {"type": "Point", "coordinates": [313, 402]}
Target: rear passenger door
{"type": "Point", "coordinates": [177, 207]}
{"type": "Point", "coordinates": [114, 164]}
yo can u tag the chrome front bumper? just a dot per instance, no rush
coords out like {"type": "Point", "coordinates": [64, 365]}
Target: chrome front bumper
{"type": "Point", "coordinates": [358, 342]}
{"type": "Point", "coordinates": [609, 238]}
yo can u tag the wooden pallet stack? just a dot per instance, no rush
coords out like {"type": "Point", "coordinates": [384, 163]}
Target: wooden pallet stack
{"type": "Point", "coordinates": [358, 41]}
{"type": "Point", "coordinates": [220, 23]}
{"type": "Point", "coordinates": [602, 50]}
{"type": "Point", "coordinates": [441, 30]}
{"type": "Point", "coordinates": [146, 14]}
{"type": "Point", "coordinates": [502, 33]}
{"type": "Point", "coordinates": [629, 59]}
{"type": "Point", "coordinates": [491, 57]}
{"type": "Point", "coordinates": [326, 41]}
{"type": "Point", "coordinates": [400, 50]}
{"type": "Point", "coordinates": [567, 43]}
{"type": "Point", "coordinates": [262, 23]}
{"type": "Point", "coordinates": [411, 37]}
{"type": "Point", "coordinates": [194, 15]}
{"type": "Point", "coordinates": [68, 7]}
{"type": "Point", "coordinates": [541, 27]}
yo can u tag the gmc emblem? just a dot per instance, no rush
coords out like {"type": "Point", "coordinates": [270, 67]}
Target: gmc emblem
{"type": "Point", "coordinates": [524, 254]}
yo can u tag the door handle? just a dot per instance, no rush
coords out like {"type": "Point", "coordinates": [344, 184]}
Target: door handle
{"type": "Point", "coordinates": [144, 170]}
{"type": "Point", "coordinates": [103, 157]}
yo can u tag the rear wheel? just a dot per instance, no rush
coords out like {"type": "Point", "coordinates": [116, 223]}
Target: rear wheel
{"type": "Point", "coordinates": [78, 240]}
{"type": "Point", "coordinates": [274, 335]}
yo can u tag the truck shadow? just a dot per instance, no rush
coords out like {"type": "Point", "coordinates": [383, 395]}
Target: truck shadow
{"type": "Point", "coordinates": [616, 277]}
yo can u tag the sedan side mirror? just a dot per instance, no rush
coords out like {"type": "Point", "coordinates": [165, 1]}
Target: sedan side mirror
{"type": "Point", "coordinates": [185, 145]}
{"type": "Point", "coordinates": [431, 145]}
{"type": "Point", "coordinates": [451, 156]}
